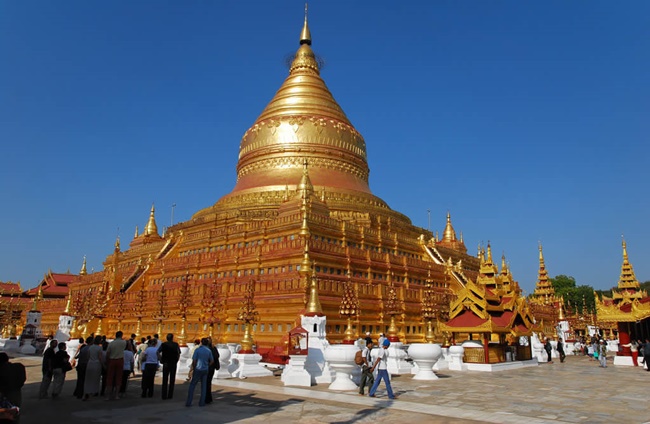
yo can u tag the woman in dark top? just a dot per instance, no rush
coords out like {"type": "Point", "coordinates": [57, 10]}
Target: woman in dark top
{"type": "Point", "coordinates": [60, 365]}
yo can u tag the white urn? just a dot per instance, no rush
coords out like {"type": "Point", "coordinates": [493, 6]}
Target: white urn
{"type": "Point", "coordinates": [224, 360]}
{"type": "Point", "coordinates": [425, 355]}
{"type": "Point", "coordinates": [341, 359]}
{"type": "Point", "coordinates": [456, 354]}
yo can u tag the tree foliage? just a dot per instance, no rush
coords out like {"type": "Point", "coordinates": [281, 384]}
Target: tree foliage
{"type": "Point", "coordinates": [566, 287]}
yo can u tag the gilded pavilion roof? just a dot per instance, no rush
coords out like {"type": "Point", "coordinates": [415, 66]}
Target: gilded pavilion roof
{"type": "Point", "coordinates": [628, 303]}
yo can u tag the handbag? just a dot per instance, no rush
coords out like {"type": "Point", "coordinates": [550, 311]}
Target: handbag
{"type": "Point", "coordinates": [67, 366]}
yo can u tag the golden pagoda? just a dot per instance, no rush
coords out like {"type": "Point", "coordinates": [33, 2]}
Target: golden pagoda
{"type": "Point", "coordinates": [301, 223]}
{"type": "Point", "coordinates": [627, 309]}
{"type": "Point", "coordinates": [491, 311]}
{"type": "Point", "coordinates": [544, 304]}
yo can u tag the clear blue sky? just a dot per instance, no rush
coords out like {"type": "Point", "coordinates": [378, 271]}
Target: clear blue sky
{"type": "Point", "coordinates": [527, 120]}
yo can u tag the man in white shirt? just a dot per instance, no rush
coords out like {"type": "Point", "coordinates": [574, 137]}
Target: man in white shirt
{"type": "Point", "coordinates": [366, 369]}
{"type": "Point", "coordinates": [381, 364]}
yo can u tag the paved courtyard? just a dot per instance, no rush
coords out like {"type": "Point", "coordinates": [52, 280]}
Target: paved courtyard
{"type": "Point", "coordinates": [577, 391]}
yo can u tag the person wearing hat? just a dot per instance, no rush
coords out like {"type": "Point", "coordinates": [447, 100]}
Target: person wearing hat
{"type": "Point", "coordinates": [368, 338]}
{"type": "Point", "coordinates": [381, 364]}
{"type": "Point", "coordinates": [602, 353]}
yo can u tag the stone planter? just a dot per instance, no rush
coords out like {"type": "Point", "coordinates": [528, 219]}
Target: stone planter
{"type": "Point", "coordinates": [224, 361]}
{"type": "Point", "coordinates": [425, 355]}
{"type": "Point", "coordinates": [341, 360]}
{"type": "Point", "coordinates": [456, 354]}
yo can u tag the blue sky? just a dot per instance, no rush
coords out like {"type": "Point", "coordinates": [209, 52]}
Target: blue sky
{"type": "Point", "coordinates": [528, 121]}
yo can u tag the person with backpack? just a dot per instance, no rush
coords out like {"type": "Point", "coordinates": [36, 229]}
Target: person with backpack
{"type": "Point", "coordinates": [382, 371]}
{"type": "Point", "coordinates": [363, 359]}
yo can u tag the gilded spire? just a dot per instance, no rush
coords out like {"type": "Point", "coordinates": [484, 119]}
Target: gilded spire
{"type": "Point", "coordinates": [68, 304]}
{"type": "Point", "coordinates": [543, 289]}
{"type": "Point", "coordinates": [627, 280]}
{"type": "Point", "coordinates": [489, 253]}
{"type": "Point", "coordinates": [504, 266]}
{"type": "Point", "coordinates": [305, 187]}
{"type": "Point", "coordinates": [83, 270]}
{"type": "Point", "coordinates": [151, 229]}
{"type": "Point", "coordinates": [137, 234]}
{"type": "Point", "coordinates": [305, 35]}
{"type": "Point", "coordinates": [560, 315]}
{"type": "Point", "coordinates": [449, 233]}
{"type": "Point", "coordinates": [313, 306]}
{"type": "Point", "coordinates": [117, 244]}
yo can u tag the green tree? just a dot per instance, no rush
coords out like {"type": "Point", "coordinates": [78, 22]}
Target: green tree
{"type": "Point", "coordinates": [563, 285]}
{"type": "Point", "coordinates": [645, 286]}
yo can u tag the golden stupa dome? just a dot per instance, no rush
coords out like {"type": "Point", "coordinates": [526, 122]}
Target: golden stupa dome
{"type": "Point", "coordinates": [302, 122]}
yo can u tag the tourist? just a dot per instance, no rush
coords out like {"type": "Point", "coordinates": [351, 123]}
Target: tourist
{"type": "Point", "coordinates": [133, 339]}
{"type": "Point", "coordinates": [12, 379]}
{"type": "Point", "coordinates": [129, 366]}
{"type": "Point", "coordinates": [139, 353]}
{"type": "Point", "coordinates": [46, 367]}
{"type": "Point", "coordinates": [157, 340]}
{"type": "Point", "coordinates": [149, 368]}
{"type": "Point", "coordinates": [560, 350]}
{"type": "Point", "coordinates": [548, 348]}
{"type": "Point", "coordinates": [81, 358]}
{"type": "Point", "coordinates": [169, 353]}
{"type": "Point", "coordinates": [60, 365]}
{"type": "Point", "coordinates": [201, 361]}
{"type": "Point", "coordinates": [214, 366]}
{"type": "Point", "coordinates": [381, 364]}
{"type": "Point", "coordinates": [115, 365]}
{"type": "Point", "coordinates": [197, 344]}
{"type": "Point", "coordinates": [368, 338]}
{"type": "Point", "coordinates": [646, 354]}
{"type": "Point", "coordinates": [94, 368]}
{"type": "Point", "coordinates": [366, 369]}
{"type": "Point", "coordinates": [104, 348]}
{"type": "Point", "coordinates": [602, 354]}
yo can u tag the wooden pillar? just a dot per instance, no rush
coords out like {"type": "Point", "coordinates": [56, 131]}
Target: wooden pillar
{"type": "Point", "coordinates": [624, 338]}
{"type": "Point", "coordinates": [486, 343]}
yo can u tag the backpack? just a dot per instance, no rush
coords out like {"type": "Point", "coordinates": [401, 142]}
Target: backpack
{"type": "Point", "coordinates": [358, 358]}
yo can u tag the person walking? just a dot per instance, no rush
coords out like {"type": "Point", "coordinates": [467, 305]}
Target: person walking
{"type": "Point", "coordinates": [115, 365]}
{"type": "Point", "coordinates": [560, 350]}
{"type": "Point", "coordinates": [381, 364]}
{"type": "Point", "coordinates": [149, 368]}
{"type": "Point", "coordinates": [169, 353]}
{"type": "Point", "coordinates": [646, 354]}
{"type": "Point", "coordinates": [366, 369]}
{"type": "Point", "coordinates": [82, 363]}
{"type": "Point", "coordinates": [60, 366]}
{"type": "Point", "coordinates": [211, 370]}
{"type": "Point", "coordinates": [548, 348]}
{"type": "Point", "coordinates": [94, 368]}
{"type": "Point", "coordinates": [129, 366]}
{"type": "Point", "coordinates": [602, 354]}
{"type": "Point", "coordinates": [201, 361]}
{"type": "Point", "coordinates": [46, 367]}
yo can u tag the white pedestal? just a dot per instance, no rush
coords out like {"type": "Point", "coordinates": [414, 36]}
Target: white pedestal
{"type": "Point", "coordinates": [397, 363]}
{"type": "Point", "coordinates": [341, 360]}
{"type": "Point", "coordinates": [316, 365]}
{"type": "Point", "coordinates": [624, 361]}
{"type": "Point", "coordinates": [295, 374]}
{"type": "Point", "coordinates": [249, 366]}
{"type": "Point", "coordinates": [27, 349]}
{"type": "Point", "coordinates": [224, 362]}
{"type": "Point", "coordinates": [612, 346]}
{"type": "Point", "coordinates": [456, 358]}
{"type": "Point", "coordinates": [11, 345]}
